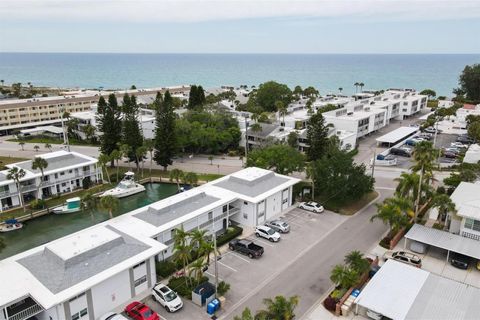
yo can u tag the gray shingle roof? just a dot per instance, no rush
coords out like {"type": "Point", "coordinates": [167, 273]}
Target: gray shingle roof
{"type": "Point", "coordinates": [57, 275]}
{"type": "Point", "coordinates": [254, 187]}
{"type": "Point", "coordinates": [266, 130]}
{"type": "Point", "coordinates": [55, 163]}
{"type": "Point", "coordinates": [158, 217]}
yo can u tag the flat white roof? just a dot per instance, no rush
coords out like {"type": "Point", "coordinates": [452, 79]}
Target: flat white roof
{"type": "Point", "coordinates": [393, 289]}
{"type": "Point", "coordinates": [397, 134]}
{"type": "Point", "coordinates": [78, 243]}
{"type": "Point", "coordinates": [52, 129]}
{"type": "Point", "coordinates": [399, 291]}
{"type": "Point", "coordinates": [467, 200]}
{"type": "Point", "coordinates": [473, 154]}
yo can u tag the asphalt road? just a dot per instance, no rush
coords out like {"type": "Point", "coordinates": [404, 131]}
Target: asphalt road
{"type": "Point", "coordinates": [308, 274]}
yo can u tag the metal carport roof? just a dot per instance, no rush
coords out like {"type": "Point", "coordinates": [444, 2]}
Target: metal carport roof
{"type": "Point", "coordinates": [397, 135]}
{"type": "Point", "coordinates": [444, 240]}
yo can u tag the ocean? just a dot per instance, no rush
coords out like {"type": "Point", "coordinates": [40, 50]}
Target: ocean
{"type": "Point", "coordinates": [326, 72]}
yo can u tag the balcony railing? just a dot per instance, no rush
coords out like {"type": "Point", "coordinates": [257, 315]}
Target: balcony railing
{"type": "Point", "coordinates": [26, 313]}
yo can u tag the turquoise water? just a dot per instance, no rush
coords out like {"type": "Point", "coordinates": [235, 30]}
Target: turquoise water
{"type": "Point", "coordinates": [327, 72]}
{"type": "Point", "coordinates": [47, 228]}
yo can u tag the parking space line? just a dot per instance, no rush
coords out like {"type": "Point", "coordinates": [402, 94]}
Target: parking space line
{"type": "Point", "coordinates": [292, 221]}
{"type": "Point", "coordinates": [300, 216]}
{"type": "Point", "coordinates": [261, 241]}
{"type": "Point", "coordinates": [226, 266]}
{"type": "Point", "coordinates": [212, 275]}
{"type": "Point", "coordinates": [237, 256]}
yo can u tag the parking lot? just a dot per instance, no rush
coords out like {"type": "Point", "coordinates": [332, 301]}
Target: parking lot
{"type": "Point", "coordinates": [248, 275]}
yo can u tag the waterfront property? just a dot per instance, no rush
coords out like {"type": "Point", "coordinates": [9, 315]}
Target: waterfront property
{"type": "Point", "coordinates": [466, 221]}
{"type": "Point", "coordinates": [66, 171]}
{"type": "Point", "coordinates": [95, 270]}
{"type": "Point", "coordinates": [28, 113]}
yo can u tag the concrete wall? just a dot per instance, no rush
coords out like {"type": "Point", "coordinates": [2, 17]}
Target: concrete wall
{"type": "Point", "coordinates": [111, 293]}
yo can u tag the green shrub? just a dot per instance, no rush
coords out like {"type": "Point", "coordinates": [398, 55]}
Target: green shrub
{"type": "Point", "coordinates": [185, 285]}
{"type": "Point", "coordinates": [232, 232]}
{"type": "Point", "coordinates": [223, 288]}
{"type": "Point", "coordinates": [165, 268]}
{"type": "Point", "coordinates": [38, 204]}
{"type": "Point", "coordinates": [232, 153]}
{"type": "Point", "coordinates": [385, 242]}
{"type": "Point", "coordinates": [438, 226]}
{"type": "Point", "coordinates": [337, 294]}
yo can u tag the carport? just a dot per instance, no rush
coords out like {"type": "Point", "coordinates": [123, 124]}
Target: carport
{"type": "Point", "coordinates": [397, 135]}
{"type": "Point", "coordinates": [444, 240]}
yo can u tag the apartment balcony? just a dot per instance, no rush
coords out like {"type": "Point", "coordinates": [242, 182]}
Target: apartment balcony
{"type": "Point", "coordinates": [23, 310]}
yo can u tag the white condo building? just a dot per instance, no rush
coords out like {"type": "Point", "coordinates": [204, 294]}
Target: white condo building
{"type": "Point", "coordinates": [65, 172]}
{"type": "Point", "coordinates": [98, 269]}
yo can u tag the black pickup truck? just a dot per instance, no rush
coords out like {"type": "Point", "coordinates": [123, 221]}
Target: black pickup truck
{"type": "Point", "coordinates": [246, 247]}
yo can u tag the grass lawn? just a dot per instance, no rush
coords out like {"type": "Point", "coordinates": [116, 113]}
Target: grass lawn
{"type": "Point", "coordinates": [8, 160]}
{"type": "Point", "coordinates": [42, 140]}
{"type": "Point", "coordinates": [351, 208]}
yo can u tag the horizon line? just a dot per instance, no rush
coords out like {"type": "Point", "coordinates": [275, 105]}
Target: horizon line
{"type": "Point", "coordinates": [240, 53]}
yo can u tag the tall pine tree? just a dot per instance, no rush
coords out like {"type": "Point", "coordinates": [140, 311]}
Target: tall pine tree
{"type": "Point", "coordinates": [317, 137]}
{"type": "Point", "coordinates": [196, 98]}
{"type": "Point", "coordinates": [165, 139]}
{"type": "Point", "coordinates": [131, 134]}
{"type": "Point", "coordinates": [109, 123]}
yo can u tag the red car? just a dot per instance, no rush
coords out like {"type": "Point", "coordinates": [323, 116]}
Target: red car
{"type": "Point", "coordinates": [139, 311]}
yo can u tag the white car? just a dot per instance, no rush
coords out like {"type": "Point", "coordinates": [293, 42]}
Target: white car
{"type": "Point", "coordinates": [267, 233]}
{"type": "Point", "coordinates": [311, 206]}
{"type": "Point", "coordinates": [458, 145]}
{"type": "Point", "coordinates": [112, 316]}
{"type": "Point", "coordinates": [168, 298]}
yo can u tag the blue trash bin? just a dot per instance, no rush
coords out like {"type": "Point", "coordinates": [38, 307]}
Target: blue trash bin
{"type": "Point", "coordinates": [210, 308]}
{"type": "Point", "coordinates": [216, 302]}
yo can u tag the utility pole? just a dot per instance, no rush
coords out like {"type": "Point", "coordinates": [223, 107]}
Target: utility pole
{"type": "Point", "coordinates": [373, 162]}
{"type": "Point", "coordinates": [215, 255]}
{"type": "Point", "coordinates": [246, 136]}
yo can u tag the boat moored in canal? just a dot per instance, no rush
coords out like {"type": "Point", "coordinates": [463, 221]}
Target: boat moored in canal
{"type": "Point", "coordinates": [11, 225]}
{"type": "Point", "coordinates": [126, 187]}
{"type": "Point", "coordinates": [71, 205]}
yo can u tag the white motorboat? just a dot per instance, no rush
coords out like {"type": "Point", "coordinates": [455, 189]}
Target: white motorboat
{"type": "Point", "coordinates": [71, 205]}
{"type": "Point", "coordinates": [11, 225]}
{"type": "Point", "coordinates": [125, 188]}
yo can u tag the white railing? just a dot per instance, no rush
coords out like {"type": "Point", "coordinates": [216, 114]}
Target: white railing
{"type": "Point", "coordinates": [26, 313]}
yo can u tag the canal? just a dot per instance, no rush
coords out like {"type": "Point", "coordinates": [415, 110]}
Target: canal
{"type": "Point", "coordinates": [50, 227]}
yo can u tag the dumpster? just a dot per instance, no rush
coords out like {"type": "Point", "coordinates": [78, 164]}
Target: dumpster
{"type": "Point", "coordinates": [211, 308]}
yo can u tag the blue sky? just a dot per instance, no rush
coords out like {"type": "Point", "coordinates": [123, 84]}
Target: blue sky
{"type": "Point", "coordinates": [242, 26]}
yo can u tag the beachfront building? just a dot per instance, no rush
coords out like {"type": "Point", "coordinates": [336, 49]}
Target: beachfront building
{"type": "Point", "coordinates": [466, 221]}
{"type": "Point", "coordinates": [27, 113]}
{"type": "Point", "coordinates": [66, 171]}
{"type": "Point", "coordinates": [101, 268]}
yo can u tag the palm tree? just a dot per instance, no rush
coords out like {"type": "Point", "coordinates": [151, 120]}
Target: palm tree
{"type": "Point", "coordinates": [394, 212]}
{"type": "Point", "coordinates": [424, 155]}
{"type": "Point", "coordinates": [2, 82]}
{"type": "Point", "coordinates": [36, 147]}
{"type": "Point", "coordinates": [177, 175]}
{"type": "Point", "coordinates": [344, 276]}
{"type": "Point", "coordinates": [109, 203]}
{"type": "Point", "coordinates": [256, 127]}
{"type": "Point", "coordinates": [279, 308]}
{"type": "Point", "coordinates": [197, 238]}
{"type": "Point", "coordinates": [191, 178]}
{"type": "Point", "coordinates": [211, 159]}
{"type": "Point", "coordinates": [357, 262]}
{"type": "Point", "coordinates": [150, 145]}
{"type": "Point", "coordinates": [140, 154]}
{"type": "Point", "coordinates": [116, 156]}
{"type": "Point", "coordinates": [444, 204]}
{"type": "Point", "coordinates": [282, 110]}
{"type": "Point", "coordinates": [40, 164]}
{"type": "Point", "coordinates": [89, 132]}
{"type": "Point", "coordinates": [356, 84]}
{"type": "Point", "coordinates": [340, 90]}
{"type": "Point", "coordinates": [407, 185]}
{"type": "Point", "coordinates": [125, 150]}
{"type": "Point", "coordinates": [16, 174]}
{"type": "Point", "coordinates": [246, 315]}
{"type": "Point", "coordinates": [310, 171]}
{"type": "Point", "coordinates": [48, 146]}
{"type": "Point", "coordinates": [103, 159]}
{"type": "Point", "coordinates": [181, 249]}
{"type": "Point", "coordinates": [21, 144]}
{"type": "Point", "coordinates": [196, 269]}
{"type": "Point", "coordinates": [361, 85]}
{"type": "Point", "coordinates": [89, 203]}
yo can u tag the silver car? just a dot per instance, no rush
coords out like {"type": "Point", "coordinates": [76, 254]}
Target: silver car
{"type": "Point", "coordinates": [279, 226]}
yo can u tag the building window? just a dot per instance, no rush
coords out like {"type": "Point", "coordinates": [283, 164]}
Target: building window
{"type": "Point", "coordinates": [472, 224]}
{"type": "Point", "coordinates": [80, 314]}
{"type": "Point", "coordinates": [62, 173]}
{"type": "Point", "coordinates": [210, 215]}
{"type": "Point", "coordinates": [245, 215]}
{"type": "Point", "coordinates": [224, 208]}
{"type": "Point", "coordinates": [138, 265]}
{"type": "Point", "coordinates": [245, 203]}
{"type": "Point", "coordinates": [76, 297]}
{"type": "Point", "coordinates": [140, 281]}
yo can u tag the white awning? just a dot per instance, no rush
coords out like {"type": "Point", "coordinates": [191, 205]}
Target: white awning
{"type": "Point", "coordinates": [397, 135]}
{"type": "Point", "coordinates": [444, 240]}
